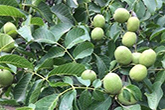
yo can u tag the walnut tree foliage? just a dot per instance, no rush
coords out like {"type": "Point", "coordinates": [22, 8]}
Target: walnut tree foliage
{"type": "Point", "coordinates": [53, 46]}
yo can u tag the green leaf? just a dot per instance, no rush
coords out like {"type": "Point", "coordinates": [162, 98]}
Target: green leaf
{"type": "Point", "coordinates": [160, 49]}
{"type": "Point", "coordinates": [111, 48]}
{"type": "Point", "coordinates": [67, 100]}
{"type": "Point", "coordinates": [160, 76]}
{"type": "Point", "coordinates": [140, 9]}
{"type": "Point", "coordinates": [36, 92]}
{"type": "Point", "coordinates": [155, 96]}
{"type": "Point", "coordinates": [84, 82]}
{"type": "Point", "coordinates": [45, 11]}
{"type": "Point", "coordinates": [68, 69]}
{"type": "Point", "coordinates": [9, 2]}
{"type": "Point", "coordinates": [163, 63]}
{"type": "Point", "coordinates": [5, 41]}
{"type": "Point", "coordinates": [81, 15]}
{"type": "Point", "coordinates": [26, 33]}
{"type": "Point", "coordinates": [118, 108]}
{"type": "Point", "coordinates": [102, 62]}
{"type": "Point", "coordinates": [101, 105]}
{"type": "Point", "coordinates": [58, 84]}
{"type": "Point", "coordinates": [16, 60]}
{"type": "Point", "coordinates": [63, 13]}
{"type": "Point", "coordinates": [129, 2]}
{"type": "Point", "coordinates": [102, 2]}
{"type": "Point", "coordinates": [4, 19]}
{"type": "Point", "coordinates": [42, 34]}
{"type": "Point", "coordinates": [59, 29]}
{"type": "Point", "coordinates": [157, 32]}
{"type": "Point", "coordinates": [75, 36]}
{"type": "Point", "coordinates": [47, 103]}
{"type": "Point", "coordinates": [127, 94]}
{"type": "Point", "coordinates": [113, 63]}
{"type": "Point", "coordinates": [159, 3]}
{"type": "Point", "coordinates": [53, 52]}
{"type": "Point", "coordinates": [47, 60]}
{"type": "Point", "coordinates": [68, 80]}
{"type": "Point", "coordinates": [98, 95]}
{"type": "Point", "coordinates": [83, 50]}
{"type": "Point", "coordinates": [151, 5]}
{"type": "Point", "coordinates": [37, 21]}
{"type": "Point", "coordinates": [114, 32]}
{"type": "Point", "coordinates": [160, 21]}
{"type": "Point", "coordinates": [46, 64]}
{"type": "Point", "coordinates": [85, 100]}
{"type": "Point", "coordinates": [132, 107]}
{"type": "Point", "coordinates": [22, 51]}
{"type": "Point", "coordinates": [8, 102]}
{"type": "Point", "coordinates": [97, 83]}
{"type": "Point", "coordinates": [10, 11]}
{"type": "Point", "coordinates": [21, 88]}
{"type": "Point", "coordinates": [24, 108]}
{"type": "Point", "coordinates": [135, 91]}
{"type": "Point", "coordinates": [72, 3]}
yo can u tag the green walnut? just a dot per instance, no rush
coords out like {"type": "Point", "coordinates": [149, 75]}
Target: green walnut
{"type": "Point", "coordinates": [112, 83]}
{"type": "Point", "coordinates": [97, 33]}
{"type": "Point", "coordinates": [123, 55]}
{"type": "Point", "coordinates": [10, 29]}
{"type": "Point", "coordinates": [121, 15]}
{"type": "Point", "coordinates": [6, 78]}
{"type": "Point", "coordinates": [133, 24]}
{"type": "Point", "coordinates": [129, 39]}
{"type": "Point", "coordinates": [138, 72]}
{"type": "Point", "coordinates": [124, 100]}
{"type": "Point", "coordinates": [98, 21]}
{"type": "Point", "coordinates": [136, 57]}
{"type": "Point", "coordinates": [148, 57]}
{"type": "Point", "coordinates": [89, 75]}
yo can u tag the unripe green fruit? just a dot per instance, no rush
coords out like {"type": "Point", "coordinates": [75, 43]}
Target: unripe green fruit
{"type": "Point", "coordinates": [123, 55]}
{"type": "Point", "coordinates": [129, 39]}
{"type": "Point", "coordinates": [138, 72]}
{"type": "Point", "coordinates": [121, 15]}
{"type": "Point", "coordinates": [97, 33]}
{"type": "Point", "coordinates": [112, 83]}
{"type": "Point", "coordinates": [133, 24]}
{"type": "Point", "coordinates": [136, 57]}
{"type": "Point", "coordinates": [89, 75]}
{"type": "Point", "coordinates": [6, 78]}
{"type": "Point", "coordinates": [147, 57]}
{"type": "Point", "coordinates": [124, 100]}
{"type": "Point", "coordinates": [10, 29]}
{"type": "Point", "coordinates": [98, 21]}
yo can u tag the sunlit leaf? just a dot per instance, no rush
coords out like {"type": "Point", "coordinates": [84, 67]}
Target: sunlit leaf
{"type": "Point", "coordinates": [21, 88]}
{"type": "Point", "coordinates": [10, 11]}
{"type": "Point", "coordinates": [68, 69]}
{"type": "Point", "coordinates": [16, 60]}
{"type": "Point", "coordinates": [47, 103]}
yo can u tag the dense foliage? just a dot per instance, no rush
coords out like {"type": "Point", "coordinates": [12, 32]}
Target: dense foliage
{"type": "Point", "coordinates": [48, 45]}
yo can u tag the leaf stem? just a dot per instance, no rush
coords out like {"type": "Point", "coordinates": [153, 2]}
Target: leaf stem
{"type": "Point", "coordinates": [156, 69]}
{"type": "Point", "coordinates": [72, 88]}
{"type": "Point", "coordinates": [41, 76]}
{"type": "Point", "coordinates": [86, 6]}
{"type": "Point", "coordinates": [115, 68]}
{"type": "Point", "coordinates": [66, 51]}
